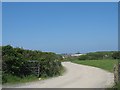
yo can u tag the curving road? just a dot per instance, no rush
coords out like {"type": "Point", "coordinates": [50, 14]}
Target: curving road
{"type": "Point", "coordinates": [76, 76]}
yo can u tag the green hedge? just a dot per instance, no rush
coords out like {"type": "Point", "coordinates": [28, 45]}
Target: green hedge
{"type": "Point", "coordinates": [15, 62]}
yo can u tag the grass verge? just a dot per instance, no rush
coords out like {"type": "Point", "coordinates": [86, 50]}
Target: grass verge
{"type": "Point", "coordinates": [10, 79]}
{"type": "Point", "coordinates": [103, 64]}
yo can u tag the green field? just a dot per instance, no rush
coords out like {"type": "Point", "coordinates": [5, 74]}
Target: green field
{"type": "Point", "coordinates": [103, 64]}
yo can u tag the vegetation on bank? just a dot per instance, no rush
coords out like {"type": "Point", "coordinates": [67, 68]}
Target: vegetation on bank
{"type": "Point", "coordinates": [15, 66]}
{"type": "Point", "coordinates": [117, 86]}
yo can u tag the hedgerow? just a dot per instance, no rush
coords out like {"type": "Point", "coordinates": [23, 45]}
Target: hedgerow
{"type": "Point", "coordinates": [15, 62]}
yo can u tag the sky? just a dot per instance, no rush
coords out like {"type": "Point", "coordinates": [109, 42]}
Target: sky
{"type": "Point", "coordinates": [0, 24]}
{"type": "Point", "coordinates": [60, 0]}
{"type": "Point", "coordinates": [61, 27]}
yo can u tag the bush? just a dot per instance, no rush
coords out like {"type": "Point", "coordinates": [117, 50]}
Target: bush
{"type": "Point", "coordinates": [99, 55]}
{"type": "Point", "coordinates": [83, 57]}
{"type": "Point", "coordinates": [15, 62]}
{"type": "Point", "coordinates": [116, 55]}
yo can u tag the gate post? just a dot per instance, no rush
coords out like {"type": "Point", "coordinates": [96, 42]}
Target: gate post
{"type": "Point", "coordinates": [118, 71]}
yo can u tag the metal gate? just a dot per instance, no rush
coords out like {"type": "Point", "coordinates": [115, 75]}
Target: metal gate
{"type": "Point", "coordinates": [34, 67]}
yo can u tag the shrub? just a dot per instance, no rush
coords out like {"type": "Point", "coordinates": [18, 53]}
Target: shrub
{"type": "Point", "coordinates": [116, 55]}
{"type": "Point", "coordinates": [83, 57]}
{"type": "Point", "coordinates": [15, 62]}
{"type": "Point", "coordinates": [99, 55]}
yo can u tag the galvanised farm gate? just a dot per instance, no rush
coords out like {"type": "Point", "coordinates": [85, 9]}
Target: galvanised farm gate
{"type": "Point", "coordinates": [34, 67]}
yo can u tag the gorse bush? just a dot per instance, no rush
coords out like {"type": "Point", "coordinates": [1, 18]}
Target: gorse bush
{"type": "Point", "coordinates": [15, 62]}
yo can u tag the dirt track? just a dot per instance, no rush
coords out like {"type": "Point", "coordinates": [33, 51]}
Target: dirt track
{"type": "Point", "coordinates": [76, 76]}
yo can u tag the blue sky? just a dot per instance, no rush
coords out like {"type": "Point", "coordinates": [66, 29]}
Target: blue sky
{"type": "Point", "coordinates": [61, 27]}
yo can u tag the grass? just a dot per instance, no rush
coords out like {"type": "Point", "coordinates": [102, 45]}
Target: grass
{"type": "Point", "coordinates": [14, 79]}
{"type": "Point", "coordinates": [103, 64]}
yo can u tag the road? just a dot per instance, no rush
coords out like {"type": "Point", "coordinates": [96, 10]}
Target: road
{"type": "Point", "coordinates": [76, 76]}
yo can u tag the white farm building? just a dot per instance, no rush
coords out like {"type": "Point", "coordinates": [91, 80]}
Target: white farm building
{"type": "Point", "coordinates": [76, 55]}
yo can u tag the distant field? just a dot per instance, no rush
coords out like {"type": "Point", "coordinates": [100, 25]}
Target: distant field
{"type": "Point", "coordinates": [103, 64]}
